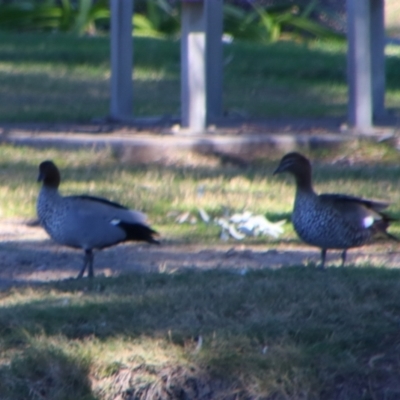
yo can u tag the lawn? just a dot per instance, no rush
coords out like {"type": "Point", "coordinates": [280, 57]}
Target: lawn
{"type": "Point", "coordinates": [63, 78]}
{"type": "Point", "coordinates": [292, 333]}
{"type": "Point", "coordinates": [295, 333]}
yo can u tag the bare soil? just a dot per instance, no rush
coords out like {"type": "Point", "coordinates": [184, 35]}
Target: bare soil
{"type": "Point", "coordinates": [28, 256]}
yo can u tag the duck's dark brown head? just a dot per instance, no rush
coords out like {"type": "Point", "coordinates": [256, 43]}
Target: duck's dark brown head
{"type": "Point", "coordinates": [297, 165]}
{"type": "Point", "coordinates": [49, 174]}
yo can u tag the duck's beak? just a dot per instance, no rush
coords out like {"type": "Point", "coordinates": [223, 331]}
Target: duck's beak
{"type": "Point", "coordinates": [278, 170]}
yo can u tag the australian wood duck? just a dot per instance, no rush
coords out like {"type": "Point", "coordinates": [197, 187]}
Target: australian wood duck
{"type": "Point", "coordinates": [86, 222]}
{"type": "Point", "coordinates": [331, 221]}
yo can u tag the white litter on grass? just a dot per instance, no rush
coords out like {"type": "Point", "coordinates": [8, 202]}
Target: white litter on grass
{"type": "Point", "coordinates": [259, 225]}
{"type": "Point", "coordinates": [237, 226]}
{"type": "Point", "coordinates": [240, 218]}
{"type": "Point", "coordinates": [199, 344]}
{"type": "Point", "coordinates": [182, 218]}
{"type": "Point", "coordinates": [204, 216]}
{"type": "Point", "coordinates": [245, 224]}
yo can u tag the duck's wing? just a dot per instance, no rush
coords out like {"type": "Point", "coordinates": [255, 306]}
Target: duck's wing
{"type": "Point", "coordinates": [95, 222]}
{"type": "Point", "coordinates": [344, 199]}
{"type": "Point", "coordinates": [358, 212]}
{"type": "Point", "coordinates": [101, 206]}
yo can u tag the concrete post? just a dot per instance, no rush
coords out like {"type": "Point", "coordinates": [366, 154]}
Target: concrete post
{"type": "Point", "coordinates": [193, 66]}
{"type": "Point", "coordinates": [121, 59]}
{"type": "Point", "coordinates": [359, 64]}
{"type": "Point", "coordinates": [201, 63]}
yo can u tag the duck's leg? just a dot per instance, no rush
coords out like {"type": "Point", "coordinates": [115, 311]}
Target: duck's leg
{"type": "Point", "coordinates": [323, 257]}
{"type": "Point", "coordinates": [87, 260]}
{"type": "Point", "coordinates": [90, 256]}
{"type": "Point", "coordinates": [344, 253]}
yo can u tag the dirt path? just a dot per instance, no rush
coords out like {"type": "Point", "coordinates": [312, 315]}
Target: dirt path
{"type": "Point", "coordinates": [27, 255]}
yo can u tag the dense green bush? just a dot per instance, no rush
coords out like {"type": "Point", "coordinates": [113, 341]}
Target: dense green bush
{"type": "Point", "coordinates": [161, 18]}
{"type": "Point", "coordinates": [269, 24]}
{"type": "Point", "coordinates": [83, 16]}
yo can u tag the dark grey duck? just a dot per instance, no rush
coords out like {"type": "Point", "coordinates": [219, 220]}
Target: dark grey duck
{"type": "Point", "coordinates": [332, 221]}
{"type": "Point", "coordinates": [86, 222]}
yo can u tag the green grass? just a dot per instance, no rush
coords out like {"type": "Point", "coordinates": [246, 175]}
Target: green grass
{"type": "Point", "coordinates": [165, 191]}
{"type": "Point", "coordinates": [53, 77]}
{"type": "Point", "coordinates": [295, 333]}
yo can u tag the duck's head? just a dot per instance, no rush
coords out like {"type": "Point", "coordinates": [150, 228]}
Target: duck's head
{"type": "Point", "coordinates": [297, 165]}
{"type": "Point", "coordinates": [49, 174]}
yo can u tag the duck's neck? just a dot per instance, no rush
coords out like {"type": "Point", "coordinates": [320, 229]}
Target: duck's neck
{"type": "Point", "coordinates": [49, 192]}
{"type": "Point", "coordinates": [304, 183]}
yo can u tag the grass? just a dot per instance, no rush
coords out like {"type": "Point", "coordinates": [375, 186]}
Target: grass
{"type": "Point", "coordinates": [294, 333]}
{"type": "Point", "coordinates": [63, 78]}
{"type": "Point", "coordinates": [163, 192]}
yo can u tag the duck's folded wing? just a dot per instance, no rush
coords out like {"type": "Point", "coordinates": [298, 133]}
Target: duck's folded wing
{"type": "Point", "coordinates": [358, 212]}
{"type": "Point", "coordinates": [343, 199]}
{"type": "Point", "coordinates": [98, 224]}
{"type": "Point", "coordinates": [93, 205]}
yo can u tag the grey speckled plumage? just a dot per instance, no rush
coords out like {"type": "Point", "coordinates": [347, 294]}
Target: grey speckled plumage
{"type": "Point", "coordinates": [86, 222]}
{"type": "Point", "coordinates": [331, 221]}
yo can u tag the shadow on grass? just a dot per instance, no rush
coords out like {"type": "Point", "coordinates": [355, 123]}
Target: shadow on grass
{"type": "Point", "coordinates": [271, 87]}
{"type": "Point", "coordinates": [34, 97]}
{"type": "Point", "coordinates": [375, 171]}
{"type": "Point", "coordinates": [44, 371]}
{"type": "Point", "coordinates": [272, 333]}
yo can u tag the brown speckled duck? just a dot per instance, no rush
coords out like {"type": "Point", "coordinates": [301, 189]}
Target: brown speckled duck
{"type": "Point", "coordinates": [331, 221]}
{"type": "Point", "coordinates": [86, 222]}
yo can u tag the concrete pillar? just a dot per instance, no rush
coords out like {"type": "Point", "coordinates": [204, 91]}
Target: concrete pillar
{"type": "Point", "coordinates": [193, 66]}
{"type": "Point", "coordinates": [359, 64]}
{"type": "Point", "coordinates": [201, 63]}
{"type": "Point", "coordinates": [121, 59]}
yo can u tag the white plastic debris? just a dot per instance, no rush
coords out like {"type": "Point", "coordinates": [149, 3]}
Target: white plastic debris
{"type": "Point", "coordinates": [181, 218]}
{"type": "Point", "coordinates": [238, 225]}
{"type": "Point", "coordinates": [199, 344]}
{"type": "Point", "coordinates": [204, 216]}
{"type": "Point", "coordinates": [240, 217]}
{"type": "Point", "coordinates": [223, 223]}
{"type": "Point", "coordinates": [259, 225]}
{"type": "Point", "coordinates": [235, 234]}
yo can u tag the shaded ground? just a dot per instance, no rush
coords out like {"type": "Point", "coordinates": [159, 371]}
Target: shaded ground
{"type": "Point", "coordinates": [27, 255]}
{"type": "Point", "coordinates": [227, 125]}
